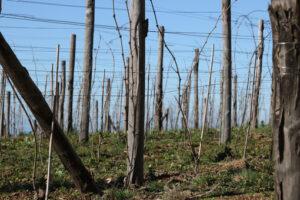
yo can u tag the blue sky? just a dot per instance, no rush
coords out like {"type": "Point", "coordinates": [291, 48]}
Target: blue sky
{"type": "Point", "coordinates": [187, 24]}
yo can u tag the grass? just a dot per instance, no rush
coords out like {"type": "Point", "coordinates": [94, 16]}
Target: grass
{"type": "Point", "coordinates": [168, 167]}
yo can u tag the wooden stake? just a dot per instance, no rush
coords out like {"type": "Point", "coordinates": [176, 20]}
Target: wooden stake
{"type": "Point", "coordinates": [7, 124]}
{"type": "Point", "coordinates": [62, 95]}
{"type": "Point", "coordinates": [159, 86]}
{"type": "Point", "coordinates": [196, 89]}
{"type": "Point", "coordinates": [70, 84]}
{"type": "Point", "coordinates": [226, 32]}
{"type": "Point", "coordinates": [87, 70]}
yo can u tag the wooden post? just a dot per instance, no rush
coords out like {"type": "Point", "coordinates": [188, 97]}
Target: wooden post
{"type": "Point", "coordinates": [234, 113]}
{"type": "Point", "coordinates": [62, 95]}
{"type": "Point", "coordinates": [126, 97]}
{"type": "Point", "coordinates": [96, 116]}
{"type": "Point", "coordinates": [87, 70]}
{"type": "Point", "coordinates": [148, 101]}
{"type": "Point", "coordinates": [51, 87]}
{"type": "Point", "coordinates": [102, 103]}
{"type": "Point", "coordinates": [138, 33]}
{"type": "Point", "coordinates": [226, 32]}
{"type": "Point", "coordinates": [7, 124]}
{"type": "Point", "coordinates": [196, 89]}
{"type": "Point", "coordinates": [70, 84]}
{"type": "Point", "coordinates": [41, 111]}
{"type": "Point", "coordinates": [14, 117]}
{"type": "Point", "coordinates": [3, 84]}
{"type": "Point", "coordinates": [159, 86]}
{"type": "Point", "coordinates": [258, 73]}
{"type": "Point", "coordinates": [107, 127]}
{"type": "Point", "coordinates": [284, 15]}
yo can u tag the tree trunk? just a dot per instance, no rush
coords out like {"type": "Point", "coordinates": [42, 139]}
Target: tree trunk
{"type": "Point", "coordinates": [70, 84]}
{"type": "Point", "coordinates": [7, 124]}
{"type": "Point", "coordinates": [138, 33]}
{"type": "Point", "coordinates": [159, 86]}
{"type": "Point", "coordinates": [62, 95]}
{"type": "Point", "coordinates": [196, 89]}
{"type": "Point", "coordinates": [285, 20]}
{"type": "Point", "coordinates": [226, 32]}
{"type": "Point", "coordinates": [3, 84]}
{"type": "Point", "coordinates": [87, 70]}
{"type": "Point", "coordinates": [235, 102]}
{"type": "Point", "coordinates": [40, 109]}
{"type": "Point", "coordinates": [258, 73]}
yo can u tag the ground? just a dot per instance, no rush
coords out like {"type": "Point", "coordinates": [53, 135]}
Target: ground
{"type": "Point", "coordinates": [169, 167]}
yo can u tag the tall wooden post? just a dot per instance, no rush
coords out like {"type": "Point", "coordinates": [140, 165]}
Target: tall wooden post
{"type": "Point", "coordinates": [159, 86]}
{"type": "Point", "coordinates": [14, 132]}
{"type": "Point", "coordinates": [107, 127]}
{"type": "Point", "coordinates": [234, 113]}
{"type": "Point", "coordinates": [138, 33]}
{"type": "Point", "coordinates": [148, 101]}
{"type": "Point", "coordinates": [70, 84]}
{"type": "Point", "coordinates": [87, 70]}
{"type": "Point", "coordinates": [7, 124]}
{"type": "Point", "coordinates": [96, 116]}
{"type": "Point", "coordinates": [2, 95]}
{"type": "Point", "coordinates": [226, 32]}
{"type": "Point", "coordinates": [102, 103]}
{"type": "Point", "coordinates": [62, 95]}
{"type": "Point", "coordinates": [126, 97]}
{"type": "Point", "coordinates": [285, 20]}
{"type": "Point", "coordinates": [196, 89]}
{"type": "Point", "coordinates": [258, 73]}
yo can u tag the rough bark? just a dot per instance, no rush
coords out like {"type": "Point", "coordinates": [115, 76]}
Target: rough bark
{"type": "Point", "coordinates": [40, 109]}
{"type": "Point", "coordinates": [62, 95]}
{"type": "Point", "coordinates": [87, 70]}
{"type": "Point", "coordinates": [7, 117]}
{"type": "Point", "coordinates": [159, 86]}
{"type": "Point", "coordinates": [226, 32]}
{"type": "Point", "coordinates": [258, 73]}
{"type": "Point", "coordinates": [285, 21]}
{"type": "Point", "coordinates": [70, 84]}
{"type": "Point", "coordinates": [138, 33]}
{"type": "Point", "coordinates": [196, 89]}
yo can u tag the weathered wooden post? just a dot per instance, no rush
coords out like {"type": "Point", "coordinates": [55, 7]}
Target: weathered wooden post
{"type": "Point", "coordinates": [234, 113]}
{"type": "Point", "coordinates": [96, 116]}
{"type": "Point", "coordinates": [126, 97]}
{"type": "Point", "coordinates": [159, 86]}
{"type": "Point", "coordinates": [7, 124]}
{"type": "Point", "coordinates": [87, 70]}
{"type": "Point", "coordinates": [2, 96]}
{"type": "Point", "coordinates": [258, 73]}
{"type": "Point", "coordinates": [226, 32]}
{"type": "Point", "coordinates": [138, 33]}
{"type": "Point", "coordinates": [70, 84]}
{"type": "Point", "coordinates": [102, 104]}
{"type": "Point", "coordinates": [285, 20]}
{"type": "Point", "coordinates": [62, 95]}
{"type": "Point", "coordinates": [107, 127]}
{"type": "Point", "coordinates": [196, 89]}
{"type": "Point", "coordinates": [41, 111]}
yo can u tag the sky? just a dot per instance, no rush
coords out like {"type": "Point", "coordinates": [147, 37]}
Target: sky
{"type": "Point", "coordinates": [34, 28]}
